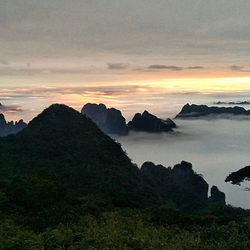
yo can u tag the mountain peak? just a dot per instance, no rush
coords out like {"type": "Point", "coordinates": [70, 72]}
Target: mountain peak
{"type": "Point", "coordinates": [149, 123]}
{"type": "Point", "coordinates": [11, 127]}
{"type": "Point", "coordinates": [70, 145]}
{"type": "Point", "coordinates": [59, 120]}
{"type": "Point", "coordinates": [146, 113]}
{"type": "Point", "coordinates": [109, 120]}
{"type": "Point", "coordinates": [2, 120]}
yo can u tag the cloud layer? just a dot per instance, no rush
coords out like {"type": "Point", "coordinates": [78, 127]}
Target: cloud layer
{"type": "Point", "coordinates": [141, 33]}
{"type": "Point", "coordinates": [173, 68]}
{"type": "Point", "coordinates": [9, 109]}
{"type": "Point", "coordinates": [213, 150]}
{"type": "Point", "coordinates": [238, 68]}
{"type": "Point", "coordinates": [118, 65]}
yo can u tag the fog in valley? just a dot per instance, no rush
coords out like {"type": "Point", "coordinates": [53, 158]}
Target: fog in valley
{"type": "Point", "coordinates": [215, 147]}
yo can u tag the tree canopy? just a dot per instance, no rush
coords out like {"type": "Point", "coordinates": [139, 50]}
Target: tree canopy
{"type": "Point", "coordinates": [239, 176]}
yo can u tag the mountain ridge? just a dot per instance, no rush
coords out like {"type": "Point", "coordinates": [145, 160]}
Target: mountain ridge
{"type": "Point", "coordinates": [199, 111]}
{"type": "Point", "coordinates": [111, 120]}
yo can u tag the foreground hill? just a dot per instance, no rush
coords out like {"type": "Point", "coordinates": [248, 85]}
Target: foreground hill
{"type": "Point", "coordinates": [199, 111]}
{"type": "Point", "coordinates": [70, 145]}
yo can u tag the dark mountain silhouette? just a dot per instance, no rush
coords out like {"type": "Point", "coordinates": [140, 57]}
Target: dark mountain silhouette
{"type": "Point", "coordinates": [108, 120]}
{"type": "Point", "coordinates": [180, 185]}
{"type": "Point", "coordinates": [196, 111]}
{"type": "Point", "coordinates": [71, 147]}
{"type": "Point", "coordinates": [7, 128]}
{"type": "Point", "coordinates": [217, 196]}
{"type": "Point", "coordinates": [111, 121]}
{"type": "Point", "coordinates": [150, 123]}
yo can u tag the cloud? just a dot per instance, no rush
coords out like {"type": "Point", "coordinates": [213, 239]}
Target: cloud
{"type": "Point", "coordinates": [118, 66]}
{"type": "Point", "coordinates": [238, 68]}
{"type": "Point", "coordinates": [4, 61]}
{"type": "Point", "coordinates": [158, 66]}
{"type": "Point", "coordinates": [11, 109]}
{"type": "Point", "coordinates": [96, 90]}
{"type": "Point", "coordinates": [164, 67]}
{"type": "Point", "coordinates": [46, 71]}
{"type": "Point", "coordinates": [29, 70]}
{"type": "Point", "coordinates": [136, 29]}
{"type": "Point", "coordinates": [141, 69]}
{"type": "Point", "coordinates": [195, 67]}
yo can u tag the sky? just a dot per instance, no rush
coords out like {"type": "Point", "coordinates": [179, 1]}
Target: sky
{"type": "Point", "coordinates": [114, 51]}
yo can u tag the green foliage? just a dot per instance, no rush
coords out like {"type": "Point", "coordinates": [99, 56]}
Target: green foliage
{"type": "Point", "coordinates": [127, 229]}
{"type": "Point", "coordinates": [95, 204]}
{"type": "Point", "coordinates": [130, 229]}
{"type": "Point", "coordinates": [14, 237]}
{"type": "Point", "coordinates": [158, 228]}
{"type": "Point", "coordinates": [223, 214]}
{"type": "Point", "coordinates": [39, 201]}
{"type": "Point", "coordinates": [66, 185]}
{"type": "Point", "coordinates": [167, 215]}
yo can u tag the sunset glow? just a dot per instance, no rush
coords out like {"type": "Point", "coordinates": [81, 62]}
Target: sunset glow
{"type": "Point", "coordinates": [129, 51]}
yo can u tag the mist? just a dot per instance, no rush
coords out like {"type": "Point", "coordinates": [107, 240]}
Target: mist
{"type": "Point", "coordinates": [214, 147]}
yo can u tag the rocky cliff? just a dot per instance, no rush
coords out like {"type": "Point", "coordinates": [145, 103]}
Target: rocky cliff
{"type": "Point", "coordinates": [181, 185]}
{"type": "Point", "coordinates": [7, 128]}
{"type": "Point", "coordinates": [150, 123]}
{"type": "Point", "coordinates": [109, 120]}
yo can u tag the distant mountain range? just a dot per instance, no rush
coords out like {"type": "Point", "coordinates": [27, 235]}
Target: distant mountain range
{"type": "Point", "coordinates": [198, 111]}
{"type": "Point", "coordinates": [111, 120]}
{"type": "Point", "coordinates": [7, 128]}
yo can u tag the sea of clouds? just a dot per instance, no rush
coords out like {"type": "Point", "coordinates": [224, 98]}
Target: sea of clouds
{"type": "Point", "coordinates": [215, 147]}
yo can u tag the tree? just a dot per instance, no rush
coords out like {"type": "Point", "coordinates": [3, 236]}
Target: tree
{"type": "Point", "coordinates": [239, 176]}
